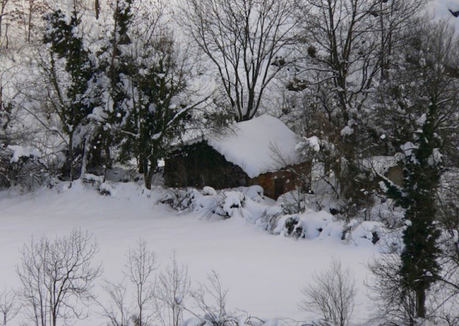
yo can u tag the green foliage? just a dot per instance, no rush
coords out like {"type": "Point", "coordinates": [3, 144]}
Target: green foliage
{"type": "Point", "coordinates": [421, 99]}
{"type": "Point", "coordinates": [73, 98]}
{"type": "Point", "coordinates": [157, 115]}
{"type": "Point", "coordinates": [420, 268]}
{"type": "Point", "coordinates": [66, 42]}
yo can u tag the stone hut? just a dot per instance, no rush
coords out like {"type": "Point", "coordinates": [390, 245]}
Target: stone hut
{"type": "Point", "coordinates": [260, 151]}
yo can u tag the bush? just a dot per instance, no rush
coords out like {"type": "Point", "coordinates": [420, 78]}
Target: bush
{"type": "Point", "coordinates": [21, 166]}
{"type": "Point", "coordinates": [293, 202]}
{"type": "Point", "coordinates": [209, 201]}
{"type": "Point", "coordinates": [178, 199]}
{"type": "Point", "coordinates": [332, 295]}
{"type": "Point", "coordinates": [293, 227]}
{"type": "Point", "coordinates": [269, 218]}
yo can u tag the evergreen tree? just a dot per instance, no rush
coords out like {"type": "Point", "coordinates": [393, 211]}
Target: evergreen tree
{"type": "Point", "coordinates": [113, 64]}
{"type": "Point", "coordinates": [420, 99]}
{"type": "Point", "coordinates": [73, 100]}
{"type": "Point", "coordinates": [158, 112]}
{"type": "Point", "coordinates": [148, 83]}
{"type": "Point", "coordinates": [419, 257]}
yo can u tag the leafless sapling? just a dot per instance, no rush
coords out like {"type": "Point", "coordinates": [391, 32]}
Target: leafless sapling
{"type": "Point", "coordinates": [332, 294]}
{"type": "Point", "coordinates": [57, 277]}
{"type": "Point", "coordinates": [172, 288]}
{"type": "Point", "coordinates": [140, 266]}
{"type": "Point", "coordinates": [9, 305]}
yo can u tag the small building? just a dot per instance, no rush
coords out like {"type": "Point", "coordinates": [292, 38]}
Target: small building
{"type": "Point", "coordinates": [260, 151]}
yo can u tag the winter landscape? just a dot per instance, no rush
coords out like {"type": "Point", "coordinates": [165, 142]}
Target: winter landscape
{"type": "Point", "coordinates": [229, 162]}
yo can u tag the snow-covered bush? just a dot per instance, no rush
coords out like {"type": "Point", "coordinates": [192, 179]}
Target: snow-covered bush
{"type": "Point", "coordinates": [179, 199]}
{"type": "Point", "coordinates": [209, 191]}
{"type": "Point", "coordinates": [293, 202]}
{"type": "Point", "coordinates": [366, 231]}
{"type": "Point", "coordinates": [309, 224]}
{"type": "Point", "coordinates": [21, 166]}
{"type": "Point", "coordinates": [224, 203]}
{"type": "Point", "coordinates": [385, 211]}
{"type": "Point", "coordinates": [233, 201]}
{"type": "Point", "coordinates": [293, 227]}
{"type": "Point", "coordinates": [104, 187]}
{"type": "Point", "coordinates": [255, 193]}
{"type": "Point", "coordinates": [208, 201]}
{"type": "Point", "coordinates": [269, 218]}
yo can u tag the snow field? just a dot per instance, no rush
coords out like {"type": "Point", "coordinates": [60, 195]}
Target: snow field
{"type": "Point", "coordinates": [264, 273]}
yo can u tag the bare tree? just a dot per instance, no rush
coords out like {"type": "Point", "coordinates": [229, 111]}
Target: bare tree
{"type": "Point", "coordinates": [118, 311]}
{"type": "Point", "coordinates": [332, 294]}
{"type": "Point", "coordinates": [141, 263]}
{"type": "Point", "coordinates": [27, 15]}
{"type": "Point", "coordinates": [211, 299]}
{"type": "Point", "coordinates": [394, 303]}
{"type": "Point", "coordinates": [447, 202]}
{"type": "Point", "coordinates": [57, 276]}
{"type": "Point", "coordinates": [140, 266]}
{"type": "Point", "coordinates": [348, 41]}
{"type": "Point", "coordinates": [348, 47]}
{"type": "Point", "coordinates": [246, 40]}
{"type": "Point", "coordinates": [9, 305]}
{"type": "Point", "coordinates": [3, 14]}
{"type": "Point", "coordinates": [172, 288]}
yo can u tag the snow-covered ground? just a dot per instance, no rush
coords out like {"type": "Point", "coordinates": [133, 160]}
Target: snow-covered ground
{"type": "Point", "coordinates": [264, 272]}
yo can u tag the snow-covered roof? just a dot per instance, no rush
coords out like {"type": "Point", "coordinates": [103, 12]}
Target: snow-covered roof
{"type": "Point", "coordinates": [260, 145]}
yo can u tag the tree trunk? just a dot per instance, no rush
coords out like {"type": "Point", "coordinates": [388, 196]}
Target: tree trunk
{"type": "Point", "coordinates": [150, 167]}
{"type": "Point", "coordinates": [149, 175]}
{"type": "Point", "coordinates": [1, 21]}
{"type": "Point", "coordinates": [70, 158]}
{"type": "Point", "coordinates": [147, 179]}
{"type": "Point", "coordinates": [29, 23]}
{"type": "Point", "coordinates": [421, 303]}
{"type": "Point", "coordinates": [97, 8]}
{"type": "Point", "coordinates": [85, 154]}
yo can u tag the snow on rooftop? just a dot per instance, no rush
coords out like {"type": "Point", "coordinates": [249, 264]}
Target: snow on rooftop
{"type": "Point", "coordinates": [260, 145]}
